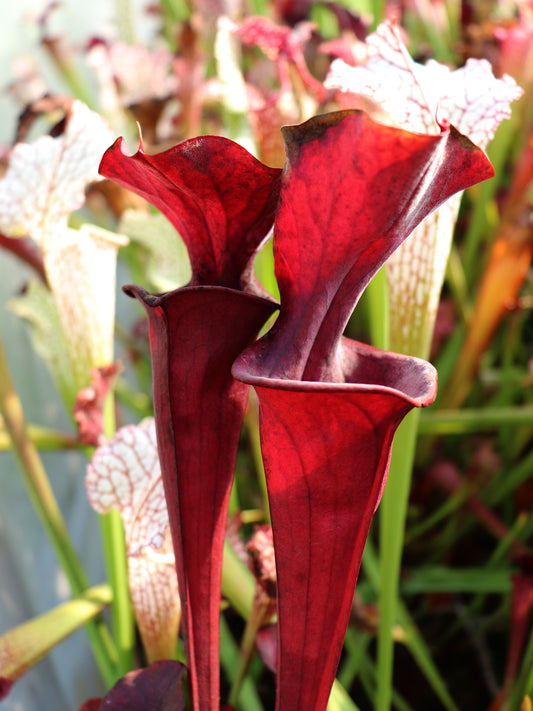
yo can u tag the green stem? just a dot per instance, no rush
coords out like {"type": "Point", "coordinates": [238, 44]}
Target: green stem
{"type": "Point", "coordinates": [392, 515]}
{"type": "Point", "coordinates": [238, 584]}
{"type": "Point", "coordinates": [229, 658]}
{"type": "Point", "coordinates": [121, 615]}
{"type": "Point", "coordinates": [116, 560]}
{"type": "Point", "coordinates": [23, 646]}
{"type": "Point", "coordinates": [377, 293]}
{"type": "Point", "coordinates": [260, 613]}
{"type": "Point", "coordinates": [43, 438]}
{"type": "Point", "coordinates": [66, 65]}
{"type": "Point", "coordinates": [252, 427]}
{"type": "Point", "coordinates": [458, 285]}
{"type": "Point", "coordinates": [45, 503]}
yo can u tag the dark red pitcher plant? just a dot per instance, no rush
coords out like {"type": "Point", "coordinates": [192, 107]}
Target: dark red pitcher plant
{"type": "Point", "coordinates": [351, 191]}
{"type": "Point", "coordinates": [222, 202]}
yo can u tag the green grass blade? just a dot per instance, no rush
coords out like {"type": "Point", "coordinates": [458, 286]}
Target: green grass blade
{"type": "Point", "coordinates": [440, 579]}
{"type": "Point", "coordinates": [392, 515]}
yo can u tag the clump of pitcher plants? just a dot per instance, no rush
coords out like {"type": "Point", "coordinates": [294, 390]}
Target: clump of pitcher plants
{"type": "Point", "coordinates": [372, 179]}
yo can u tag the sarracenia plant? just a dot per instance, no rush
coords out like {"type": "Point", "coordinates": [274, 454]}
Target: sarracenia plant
{"type": "Point", "coordinates": [350, 193]}
{"type": "Point", "coordinates": [222, 202]}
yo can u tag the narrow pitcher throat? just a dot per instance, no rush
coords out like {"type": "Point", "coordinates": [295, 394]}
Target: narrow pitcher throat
{"type": "Point", "coordinates": [354, 370]}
